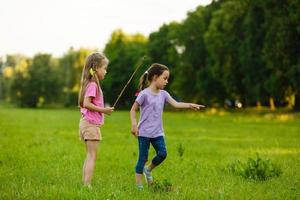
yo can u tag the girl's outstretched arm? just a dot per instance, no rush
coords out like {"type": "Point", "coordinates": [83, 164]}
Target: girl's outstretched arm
{"type": "Point", "coordinates": [176, 104]}
{"type": "Point", "coordinates": [134, 129]}
{"type": "Point", "coordinates": [87, 103]}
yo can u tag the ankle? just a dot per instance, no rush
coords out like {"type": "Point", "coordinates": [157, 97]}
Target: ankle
{"type": "Point", "coordinates": [147, 168]}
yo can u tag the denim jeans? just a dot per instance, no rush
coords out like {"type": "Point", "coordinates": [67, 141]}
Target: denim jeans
{"type": "Point", "coordinates": [144, 143]}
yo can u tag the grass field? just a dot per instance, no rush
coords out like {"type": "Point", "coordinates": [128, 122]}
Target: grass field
{"type": "Point", "coordinates": [41, 156]}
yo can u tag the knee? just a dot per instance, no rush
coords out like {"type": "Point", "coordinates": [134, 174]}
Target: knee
{"type": "Point", "coordinates": [92, 156]}
{"type": "Point", "coordinates": [162, 154]}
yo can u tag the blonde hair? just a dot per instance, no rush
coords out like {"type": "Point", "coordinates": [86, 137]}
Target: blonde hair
{"type": "Point", "coordinates": [92, 62]}
{"type": "Point", "coordinates": [155, 69]}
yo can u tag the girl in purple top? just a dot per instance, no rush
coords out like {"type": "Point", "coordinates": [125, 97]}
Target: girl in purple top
{"type": "Point", "coordinates": [92, 110]}
{"type": "Point", "coordinates": [151, 102]}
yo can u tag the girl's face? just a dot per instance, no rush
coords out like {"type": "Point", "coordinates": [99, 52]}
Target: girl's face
{"type": "Point", "coordinates": [162, 80]}
{"type": "Point", "coordinates": [101, 71]}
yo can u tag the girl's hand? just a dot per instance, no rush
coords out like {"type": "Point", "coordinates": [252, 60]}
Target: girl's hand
{"type": "Point", "coordinates": [134, 130]}
{"type": "Point", "coordinates": [108, 110]}
{"type": "Point", "coordinates": [196, 106]}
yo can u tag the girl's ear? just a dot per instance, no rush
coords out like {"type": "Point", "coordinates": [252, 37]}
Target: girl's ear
{"type": "Point", "coordinates": [154, 77]}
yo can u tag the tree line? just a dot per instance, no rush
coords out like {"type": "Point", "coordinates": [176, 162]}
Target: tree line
{"type": "Point", "coordinates": [229, 51]}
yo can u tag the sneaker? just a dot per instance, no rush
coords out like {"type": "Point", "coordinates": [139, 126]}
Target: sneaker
{"type": "Point", "coordinates": [139, 187]}
{"type": "Point", "coordinates": [88, 187]}
{"type": "Point", "coordinates": [148, 176]}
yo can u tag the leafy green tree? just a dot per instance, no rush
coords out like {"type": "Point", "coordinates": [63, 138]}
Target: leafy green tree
{"type": "Point", "coordinates": [163, 48]}
{"type": "Point", "coordinates": [223, 40]}
{"type": "Point", "coordinates": [281, 50]}
{"type": "Point", "coordinates": [293, 72]}
{"type": "Point", "coordinates": [194, 69]}
{"type": "Point", "coordinates": [252, 63]}
{"type": "Point", "coordinates": [14, 65]}
{"type": "Point", "coordinates": [70, 69]}
{"type": "Point", "coordinates": [40, 86]}
{"type": "Point", "coordinates": [230, 49]}
{"type": "Point", "coordinates": [123, 51]}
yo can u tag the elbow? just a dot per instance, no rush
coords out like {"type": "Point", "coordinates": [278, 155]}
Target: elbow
{"type": "Point", "coordinates": [175, 105]}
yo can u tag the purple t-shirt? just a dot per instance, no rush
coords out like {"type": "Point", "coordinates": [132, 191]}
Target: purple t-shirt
{"type": "Point", "coordinates": [151, 109]}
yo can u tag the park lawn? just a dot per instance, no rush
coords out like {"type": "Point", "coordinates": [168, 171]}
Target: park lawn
{"type": "Point", "coordinates": [41, 156]}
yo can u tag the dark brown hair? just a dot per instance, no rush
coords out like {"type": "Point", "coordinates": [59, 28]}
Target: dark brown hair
{"type": "Point", "coordinates": [155, 69]}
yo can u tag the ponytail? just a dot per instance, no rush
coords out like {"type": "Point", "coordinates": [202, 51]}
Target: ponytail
{"type": "Point", "coordinates": [143, 81]}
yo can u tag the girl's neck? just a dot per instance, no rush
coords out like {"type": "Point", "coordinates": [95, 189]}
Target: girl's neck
{"type": "Point", "coordinates": [94, 80]}
{"type": "Point", "coordinates": [153, 89]}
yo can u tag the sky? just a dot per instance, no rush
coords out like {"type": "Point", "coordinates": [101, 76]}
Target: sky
{"type": "Point", "coordinates": [53, 26]}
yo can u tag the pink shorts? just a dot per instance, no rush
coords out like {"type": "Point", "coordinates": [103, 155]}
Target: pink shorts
{"type": "Point", "coordinates": [88, 131]}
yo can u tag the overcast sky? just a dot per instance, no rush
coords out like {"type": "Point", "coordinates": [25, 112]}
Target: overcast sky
{"type": "Point", "coordinates": [52, 26]}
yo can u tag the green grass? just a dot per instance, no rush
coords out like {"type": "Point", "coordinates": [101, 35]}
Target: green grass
{"type": "Point", "coordinates": [41, 156]}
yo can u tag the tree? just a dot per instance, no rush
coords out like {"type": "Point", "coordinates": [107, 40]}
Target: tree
{"type": "Point", "coordinates": [14, 65]}
{"type": "Point", "coordinates": [123, 51]}
{"type": "Point", "coordinates": [70, 69]}
{"type": "Point", "coordinates": [223, 40]}
{"type": "Point", "coordinates": [281, 50]}
{"type": "Point", "coordinates": [40, 85]}
{"type": "Point", "coordinates": [163, 48]}
{"type": "Point", "coordinates": [252, 63]}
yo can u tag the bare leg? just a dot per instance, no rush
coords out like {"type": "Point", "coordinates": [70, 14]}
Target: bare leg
{"type": "Point", "coordinates": [151, 166]}
{"type": "Point", "coordinates": [138, 178]}
{"type": "Point", "coordinates": [89, 163]}
{"type": "Point", "coordinates": [83, 171]}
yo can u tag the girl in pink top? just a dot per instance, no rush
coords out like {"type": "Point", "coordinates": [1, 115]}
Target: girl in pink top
{"type": "Point", "coordinates": [92, 110]}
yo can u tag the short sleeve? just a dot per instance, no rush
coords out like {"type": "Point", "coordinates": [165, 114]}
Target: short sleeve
{"type": "Point", "coordinates": [167, 96]}
{"type": "Point", "coordinates": [91, 90]}
{"type": "Point", "coordinates": [140, 98]}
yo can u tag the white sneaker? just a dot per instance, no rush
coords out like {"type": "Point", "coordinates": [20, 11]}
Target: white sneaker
{"type": "Point", "coordinates": [139, 187]}
{"type": "Point", "coordinates": [88, 187]}
{"type": "Point", "coordinates": [147, 174]}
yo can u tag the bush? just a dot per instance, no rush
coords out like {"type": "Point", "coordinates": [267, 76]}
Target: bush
{"type": "Point", "coordinates": [255, 169]}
